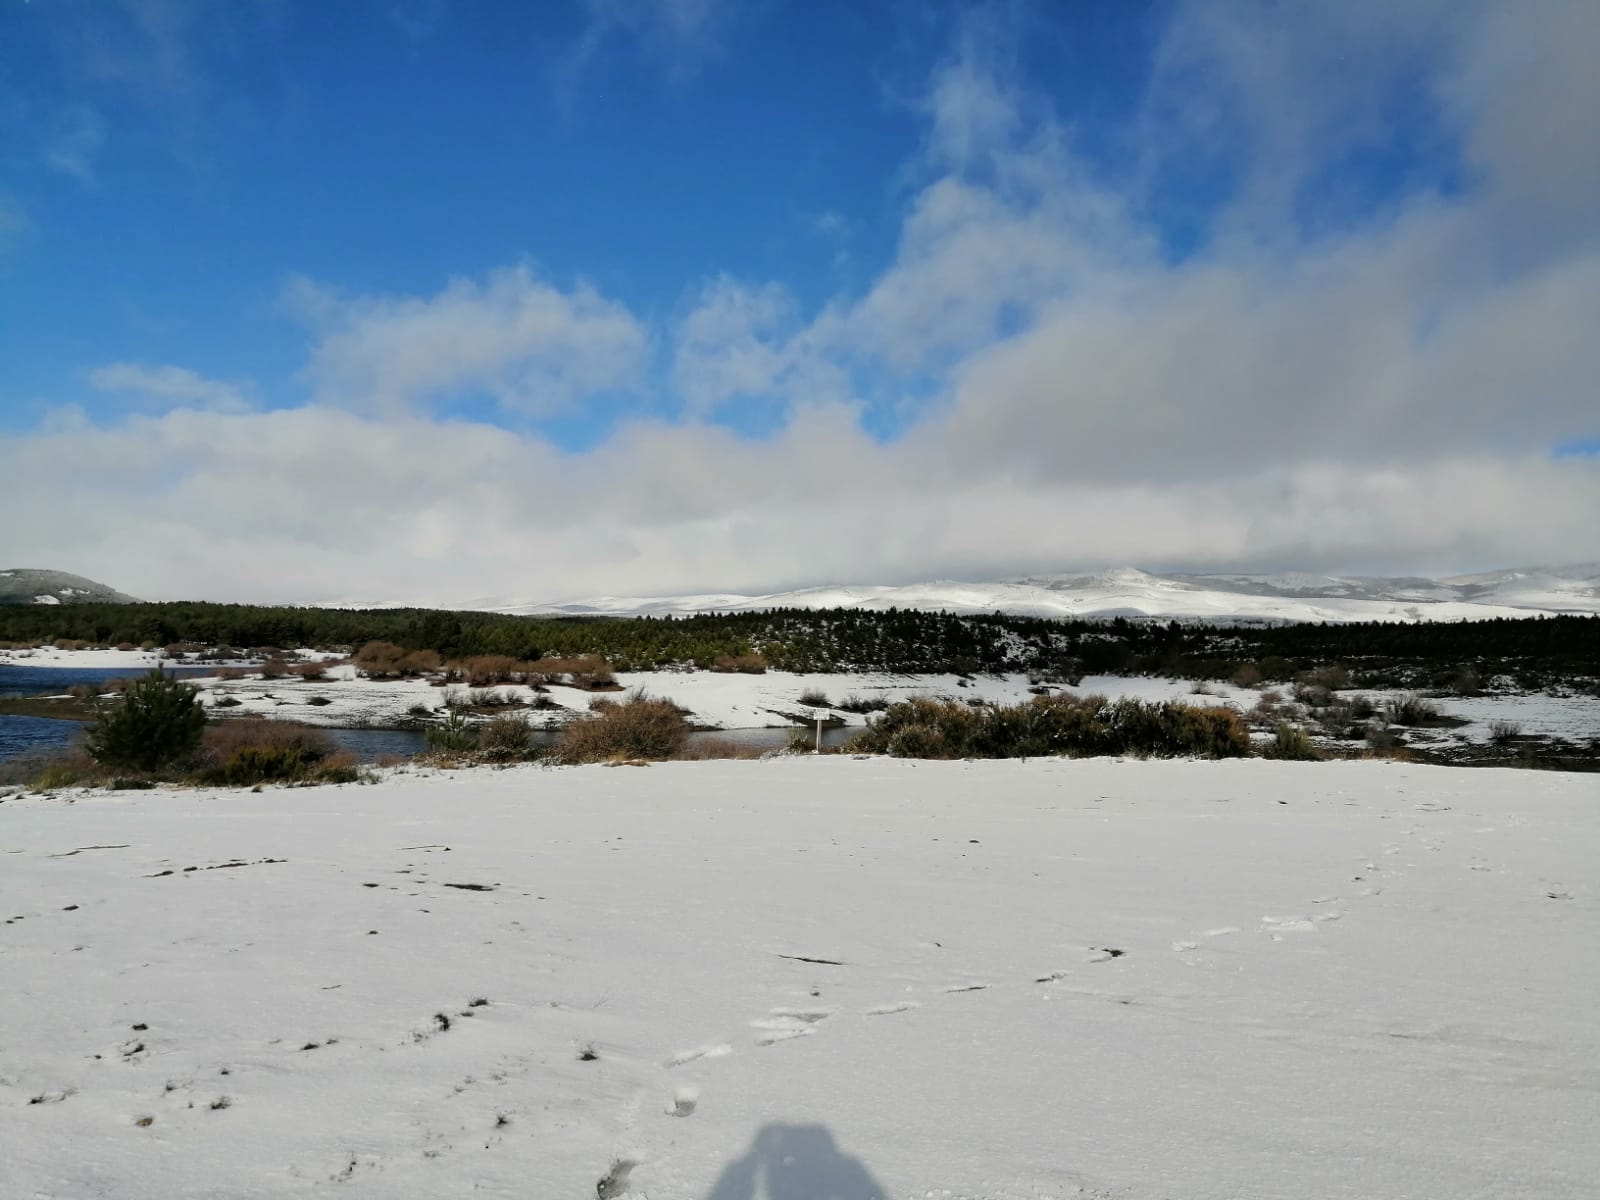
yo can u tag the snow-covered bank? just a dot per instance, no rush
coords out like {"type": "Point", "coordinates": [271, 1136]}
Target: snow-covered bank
{"type": "Point", "coordinates": [995, 980]}
{"type": "Point", "coordinates": [716, 700]}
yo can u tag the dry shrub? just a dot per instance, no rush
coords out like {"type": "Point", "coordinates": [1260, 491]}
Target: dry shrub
{"type": "Point", "coordinates": [741, 664]}
{"type": "Point", "coordinates": [309, 670]}
{"type": "Point", "coordinates": [124, 645]}
{"type": "Point", "coordinates": [591, 671]}
{"type": "Point", "coordinates": [486, 670]}
{"type": "Point", "coordinates": [545, 671]}
{"type": "Point", "coordinates": [505, 738]}
{"type": "Point", "coordinates": [224, 738]}
{"type": "Point", "coordinates": [378, 660]}
{"type": "Point", "coordinates": [639, 728]}
{"type": "Point", "coordinates": [1503, 733]}
{"type": "Point", "coordinates": [1247, 676]}
{"type": "Point", "coordinates": [869, 704]}
{"type": "Point", "coordinates": [420, 662]}
{"type": "Point", "coordinates": [1332, 678]}
{"type": "Point", "coordinates": [1291, 743]}
{"type": "Point", "coordinates": [1410, 710]}
{"type": "Point", "coordinates": [274, 668]}
{"type": "Point", "coordinates": [231, 673]}
{"type": "Point", "coordinates": [69, 644]}
{"type": "Point", "coordinates": [1054, 725]}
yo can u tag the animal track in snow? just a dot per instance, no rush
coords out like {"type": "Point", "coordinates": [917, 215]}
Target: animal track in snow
{"type": "Point", "coordinates": [1279, 925]}
{"type": "Point", "coordinates": [885, 1010]}
{"type": "Point", "coordinates": [954, 988]}
{"type": "Point", "coordinates": [785, 1024]}
{"type": "Point", "coordinates": [715, 1050]}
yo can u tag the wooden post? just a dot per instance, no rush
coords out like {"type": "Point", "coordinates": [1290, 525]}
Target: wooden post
{"type": "Point", "coordinates": [819, 733]}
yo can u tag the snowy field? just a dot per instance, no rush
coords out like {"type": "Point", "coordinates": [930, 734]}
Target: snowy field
{"type": "Point", "coordinates": [809, 978]}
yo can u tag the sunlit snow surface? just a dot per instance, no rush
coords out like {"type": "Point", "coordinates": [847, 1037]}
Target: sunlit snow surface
{"type": "Point", "coordinates": [808, 978]}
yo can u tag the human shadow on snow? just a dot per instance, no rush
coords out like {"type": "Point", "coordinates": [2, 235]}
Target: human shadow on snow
{"type": "Point", "coordinates": [796, 1162]}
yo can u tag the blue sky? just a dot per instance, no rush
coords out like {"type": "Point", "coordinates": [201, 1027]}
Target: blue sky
{"type": "Point", "coordinates": [1075, 272]}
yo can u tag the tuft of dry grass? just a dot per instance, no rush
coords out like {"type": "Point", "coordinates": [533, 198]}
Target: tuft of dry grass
{"type": "Point", "coordinates": [709, 749]}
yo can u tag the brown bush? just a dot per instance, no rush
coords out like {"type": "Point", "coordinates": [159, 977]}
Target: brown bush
{"type": "Point", "coordinates": [224, 739]}
{"type": "Point", "coordinates": [505, 738]}
{"type": "Point", "coordinates": [591, 671]}
{"type": "Point", "coordinates": [741, 664]}
{"type": "Point", "coordinates": [486, 670]}
{"type": "Point", "coordinates": [309, 670]}
{"type": "Point", "coordinates": [639, 728]}
{"type": "Point", "coordinates": [420, 662]}
{"type": "Point", "coordinates": [1054, 725]}
{"type": "Point", "coordinates": [1247, 676]}
{"type": "Point", "coordinates": [274, 668]}
{"type": "Point", "coordinates": [231, 673]}
{"type": "Point", "coordinates": [69, 644]}
{"type": "Point", "coordinates": [379, 660]}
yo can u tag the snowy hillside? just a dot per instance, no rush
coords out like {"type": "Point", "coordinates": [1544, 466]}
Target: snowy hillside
{"type": "Point", "coordinates": [808, 978]}
{"type": "Point", "coordinates": [27, 585]}
{"type": "Point", "coordinates": [1130, 592]}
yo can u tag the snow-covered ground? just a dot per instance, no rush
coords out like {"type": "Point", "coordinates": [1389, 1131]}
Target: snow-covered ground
{"type": "Point", "coordinates": [809, 978]}
{"type": "Point", "coordinates": [716, 700]}
{"type": "Point", "coordinates": [49, 656]}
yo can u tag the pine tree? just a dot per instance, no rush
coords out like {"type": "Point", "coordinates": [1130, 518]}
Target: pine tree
{"type": "Point", "coordinates": [157, 721]}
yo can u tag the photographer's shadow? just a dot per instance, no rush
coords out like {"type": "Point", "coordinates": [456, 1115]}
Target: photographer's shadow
{"type": "Point", "coordinates": [796, 1162]}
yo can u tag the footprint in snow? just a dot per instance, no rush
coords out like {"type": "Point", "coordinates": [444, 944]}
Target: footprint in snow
{"type": "Point", "coordinates": [715, 1050]}
{"type": "Point", "coordinates": [684, 1102]}
{"type": "Point", "coordinates": [1281, 925]}
{"type": "Point", "coordinates": [785, 1024]}
{"type": "Point", "coordinates": [886, 1010]}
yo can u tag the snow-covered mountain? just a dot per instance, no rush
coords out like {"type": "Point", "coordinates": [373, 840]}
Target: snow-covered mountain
{"type": "Point", "coordinates": [29, 585]}
{"type": "Point", "coordinates": [1130, 592]}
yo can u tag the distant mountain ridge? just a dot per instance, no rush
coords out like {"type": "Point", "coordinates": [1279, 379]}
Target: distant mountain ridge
{"type": "Point", "coordinates": [28, 585]}
{"type": "Point", "coordinates": [1131, 592]}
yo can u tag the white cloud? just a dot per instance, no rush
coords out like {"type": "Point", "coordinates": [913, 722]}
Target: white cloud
{"type": "Point", "coordinates": [179, 385]}
{"type": "Point", "coordinates": [725, 346]}
{"type": "Point", "coordinates": [530, 346]}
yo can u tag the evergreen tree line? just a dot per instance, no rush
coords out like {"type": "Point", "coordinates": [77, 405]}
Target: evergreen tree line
{"type": "Point", "coordinates": [1537, 651]}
